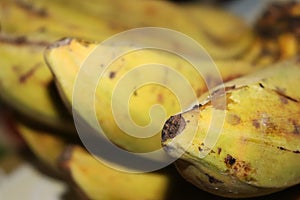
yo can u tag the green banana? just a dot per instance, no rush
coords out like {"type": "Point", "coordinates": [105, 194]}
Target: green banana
{"type": "Point", "coordinates": [257, 151]}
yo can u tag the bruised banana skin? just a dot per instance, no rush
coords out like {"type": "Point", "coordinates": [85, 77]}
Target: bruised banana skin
{"type": "Point", "coordinates": [65, 57]}
{"type": "Point", "coordinates": [257, 151]}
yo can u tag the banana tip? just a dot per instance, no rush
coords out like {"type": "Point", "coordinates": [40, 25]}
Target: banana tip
{"type": "Point", "coordinates": [173, 126]}
{"type": "Point", "coordinates": [61, 42]}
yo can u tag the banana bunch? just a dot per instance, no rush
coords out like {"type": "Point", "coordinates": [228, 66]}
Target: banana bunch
{"type": "Point", "coordinates": [39, 71]}
{"type": "Point", "coordinates": [27, 80]}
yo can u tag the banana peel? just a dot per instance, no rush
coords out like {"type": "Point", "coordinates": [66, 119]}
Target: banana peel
{"type": "Point", "coordinates": [257, 151]}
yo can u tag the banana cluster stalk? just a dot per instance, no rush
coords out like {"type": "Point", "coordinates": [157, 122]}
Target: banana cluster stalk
{"type": "Point", "coordinates": [257, 150]}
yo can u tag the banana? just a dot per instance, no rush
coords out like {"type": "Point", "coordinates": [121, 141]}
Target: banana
{"type": "Point", "coordinates": [47, 147]}
{"type": "Point", "coordinates": [94, 180]}
{"type": "Point", "coordinates": [99, 181]}
{"type": "Point", "coordinates": [231, 33]}
{"type": "Point", "coordinates": [26, 85]}
{"type": "Point", "coordinates": [257, 150]}
{"type": "Point", "coordinates": [65, 57]}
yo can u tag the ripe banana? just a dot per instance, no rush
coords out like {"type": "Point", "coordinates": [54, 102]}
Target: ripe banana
{"type": "Point", "coordinates": [65, 57]}
{"type": "Point", "coordinates": [46, 146]}
{"type": "Point", "coordinates": [26, 85]}
{"type": "Point", "coordinates": [257, 151]}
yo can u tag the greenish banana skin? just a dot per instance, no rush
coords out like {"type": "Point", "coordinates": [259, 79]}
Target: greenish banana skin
{"type": "Point", "coordinates": [257, 152]}
{"type": "Point", "coordinates": [225, 185]}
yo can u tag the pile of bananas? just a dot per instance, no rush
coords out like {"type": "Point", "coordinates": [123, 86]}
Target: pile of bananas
{"type": "Point", "coordinates": [258, 151]}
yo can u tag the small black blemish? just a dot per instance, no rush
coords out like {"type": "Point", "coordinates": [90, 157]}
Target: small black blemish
{"type": "Point", "coordinates": [196, 106]}
{"type": "Point", "coordinates": [135, 93]}
{"type": "Point", "coordinates": [200, 149]}
{"type": "Point", "coordinates": [219, 150]}
{"type": "Point", "coordinates": [255, 123]}
{"type": "Point", "coordinates": [212, 179]}
{"type": "Point", "coordinates": [285, 149]}
{"type": "Point", "coordinates": [188, 121]}
{"type": "Point", "coordinates": [229, 160]}
{"type": "Point", "coordinates": [112, 75]}
{"type": "Point", "coordinates": [173, 126]}
{"type": "Point", "coordinates": [261, 85]}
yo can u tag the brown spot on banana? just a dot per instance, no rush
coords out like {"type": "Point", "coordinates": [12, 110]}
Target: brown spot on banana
{"type": "Point", "coordinates": [296, 128]}
{"type": "Point", "coordinates": [212, 179]}
{"type": "Point", "coordinates": [173, 126]}
{"type": "Point", "coordinates": [21, 40]}
{"type": "Point", "coordinates": [112, 75]}
{"type": "Point", "coordinates": [255, 123]}
{"type": "Point", "coordinates": [29, 73]}
{"type": "Point", "coordinates": [229, 160]}
{"type": "Point", "coordinates": [233, 119]}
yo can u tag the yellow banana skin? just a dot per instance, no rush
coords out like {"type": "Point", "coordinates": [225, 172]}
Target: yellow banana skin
{"type": "Point", "coordinates": [257, 151]}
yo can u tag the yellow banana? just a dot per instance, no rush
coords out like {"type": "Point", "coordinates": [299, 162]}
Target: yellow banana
{"type": "Point", "coordinates": [65, 58]}
{"type": "Point", "coordinates": [99, 181]}
{"type": "Point", "coordinates": [26, 85]}
{"type": "Point", "coordinates": [222, 29]}
{"type": "Point", "coordinates": [257, 151]}
{"type": "Point", "coordinates": [45, 145]}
